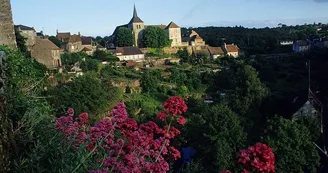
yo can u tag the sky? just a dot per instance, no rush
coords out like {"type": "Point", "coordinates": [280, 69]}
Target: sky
{"type": "Point", "coordinates": [100, 17]}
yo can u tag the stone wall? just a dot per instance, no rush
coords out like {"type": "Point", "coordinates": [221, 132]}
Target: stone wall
{"type": "Point", "coordinates": [7, 33]}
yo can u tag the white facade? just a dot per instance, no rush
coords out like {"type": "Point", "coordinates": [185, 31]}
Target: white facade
{"type": "Point", "coordinates": [137, 58]}
{"type": "Point", "coordinates": [285, 43]}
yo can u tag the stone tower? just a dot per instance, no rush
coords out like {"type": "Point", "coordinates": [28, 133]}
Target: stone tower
{"type": "Point", "coordinates": [137, 26]}
{"type": "Point", "coordinates": [7, 32]}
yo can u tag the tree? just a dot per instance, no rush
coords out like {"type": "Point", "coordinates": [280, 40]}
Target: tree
{"type": "Point", "coordinates": [89, 64]}
{"type": "Point", "coordinates": [55, 40]}
{"type": "Point", "coordinates": [217, 135]}
{"type": "Point", "coordinates": [244, 88]}
{"type": "Point", "coordinates": [84, 94]}
{"type": "Point", "coordinates": [124, 37]}
{"type": "Point", "coordinates": [69, 59]}
{"type": "Point", "coordinates": [150, 81]}
{"type": "Point", "coordinates": [183, 54]}
{"type": "Point", "coordinates": [155, 37]}
{"type": "Point", "coordinates": [200, 58]}
{"type": "Point", "coordinates": [292, 145]}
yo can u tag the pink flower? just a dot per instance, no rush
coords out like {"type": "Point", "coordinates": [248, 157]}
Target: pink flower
{"type": "Point", "coordinates": [175, 105]}
{"type": "Point", "coordinates": [70, 112]}
{"type": "Point", "coordinates": [83, 118]}
{"type": "Point", "coordinates": [162, 115]}
{"type": "Point", "coordinates": [225, 171]}
{"type": "Point", "coordinates": [181, 120]}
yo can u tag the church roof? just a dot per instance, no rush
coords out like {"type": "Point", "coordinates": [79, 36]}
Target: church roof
{"type": "Point", "coordinates": [135, 18]}
{"type": "Point", "coordinates": [172, 25]}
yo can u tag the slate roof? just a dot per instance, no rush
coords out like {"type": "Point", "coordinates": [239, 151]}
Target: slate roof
{"type": "Point", "coordinates": [74, 38]}
{"type": "Point", "coordinates": [172, 25]}
{"type": "Point", "coordinates": [160, 26]}
{"type": "Point", "coordinates": [118, 27]}
{"type": "Point", "coordinates": [215, 50]}
{"type": "Point", "coordinates": [135, 18]}
{"type": "Point", "coordinates": [63, 35]}
{"type": "Point", "coordinates": [25, 28]}
{"type": "Point", "coordinates": [128, 51]}
{"type": "Point", "coordinates": [86, 40]}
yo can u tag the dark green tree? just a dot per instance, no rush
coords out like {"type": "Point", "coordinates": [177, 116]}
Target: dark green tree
{"type": "Point", "coordinates": [124, 37]}
{"type": "Point", "coordinates": [155, 37]}
{"type": "Point", "coordinates": [184, 55]}
{"type": "Point", "coordinates": [200, 58]}
{"type": "Point", "coordinates": [218, 135]}
{"type": "Point", "coordinates": [84, 94]}
{"type": "Point", "coordinates": [242, 84]}
{"type": "Point", "coordinates": [292, 144]}
{"type": "Point", "coordinates": [55, 40]}
{"type": "Point", "coordinates": [150, 81]}
{"type": "Point", "coordinates": [89, 64]}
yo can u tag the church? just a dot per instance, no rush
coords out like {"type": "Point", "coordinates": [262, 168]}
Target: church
{"type": "Point", "coordinates": [138, 26]}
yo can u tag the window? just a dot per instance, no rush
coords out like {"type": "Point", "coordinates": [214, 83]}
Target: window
{"type": "Point", "coordinates": [72, 47]}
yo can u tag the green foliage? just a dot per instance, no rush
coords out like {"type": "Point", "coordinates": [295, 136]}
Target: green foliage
{"type": "Point", "coordinates": [69, 59]}
{"type": "Point", "coordinates": [292, 145]}
{"type": "Point", "coordinates": [312, 125]}
{"type": "Point", "coordinates": [21, 42]}
{"type": "Point", "coordinates": [184, 55]}
{"type": "Point", "coordinates": [102, 40]}
{"type": "Point", "coordinates": [157, 52]}
{"type": "Point", "coordinates": [84, 94]}
{"type": "Point", "coordinates": [143, 107]}
{"type": "Point", "coordinates": [155, 37]}
{"type": "Point", "coordinates": [199, 59]}
{"type": "Point", "coordinates": [104, 56]}
{"type": "Point", "coordinates": [217, 135]}
{"type": "Point", "coordinates": [243, 86]}
{"type": "Point", "coordinates": [55, 40]}
{"type": "Point", "coordinates": [90, 64]}
{"type": "Point", "coordinates": [124, 37]}
{"type": "Point", "coordinates": [150, 80]}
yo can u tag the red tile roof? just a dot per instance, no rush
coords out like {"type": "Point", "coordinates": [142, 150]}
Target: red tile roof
{"type": "Point", "coordinates": [75, 38]}
{"type": "Point", "coordinates": [232, 48]}
{"type": "Point", "coordinates": [215, 50]}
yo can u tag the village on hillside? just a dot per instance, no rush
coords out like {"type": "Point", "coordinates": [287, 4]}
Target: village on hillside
{"type": "Point", "coordinates": [163, 97]}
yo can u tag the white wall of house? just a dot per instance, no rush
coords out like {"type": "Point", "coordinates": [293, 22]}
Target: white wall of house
{"type": "Point", "coordinates": [30, 36]}
{"type": "Point", "coordinates": [139, 57]}
{"type": "Point", "coordinates": [234, 54]}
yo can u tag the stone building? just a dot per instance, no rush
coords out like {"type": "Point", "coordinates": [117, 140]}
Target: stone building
{"type": "Point", "coordinates": [47, 53]}
{"type": "Point", "coordinates": [28, 33]}
{"type": "Point", "coordinates": [70, 43]}
{"type": "Point", "coordinates": [231, 49]}
{"type": "Point", "coordinates": [174, 33]}
{"type": "Point", "coordinates": [7, 32]}
{"type": "Point", "coordinates": [193, 39]}
{"type": "Point", "coordinates": [138, 26]}
{"type": "Point", "coordinates": [129, 53]}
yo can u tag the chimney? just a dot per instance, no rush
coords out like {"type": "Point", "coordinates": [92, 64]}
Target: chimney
{"type": "Point", "coordinates": [79, 34]}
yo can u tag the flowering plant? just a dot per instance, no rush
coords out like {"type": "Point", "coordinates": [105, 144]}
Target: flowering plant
{"type": "Point", "coordinates": [128, 147]}
{"type": "Point", "coordinates": [258, 158]}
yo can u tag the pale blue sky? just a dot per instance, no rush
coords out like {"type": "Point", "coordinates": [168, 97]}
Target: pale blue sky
{"type": "Point", "coordinates": [100, 17]}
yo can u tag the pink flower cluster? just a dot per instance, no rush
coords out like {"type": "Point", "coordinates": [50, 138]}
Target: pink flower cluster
{"type": "Point", "coordinates": [174, 106]}
{"type": "Point", "coordinates": [258, 158]}
{"type": "Point", "coordinates": [130, 147]}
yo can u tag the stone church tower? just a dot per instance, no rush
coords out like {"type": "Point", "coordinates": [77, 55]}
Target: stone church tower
{"type": "Point", "coordinates": [137, 26]}
{"type": "Point", "coordinates": [7, 32]}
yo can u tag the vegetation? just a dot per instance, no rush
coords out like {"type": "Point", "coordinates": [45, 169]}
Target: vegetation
{"type": "Point", "coordinates": [238, 117]}
{"type": "Point", "coordinates": [55, 40]}
{"type": "Point", "coordinates": [124, 37]}
{"type": "Point", "coordinates": [155, 37]}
